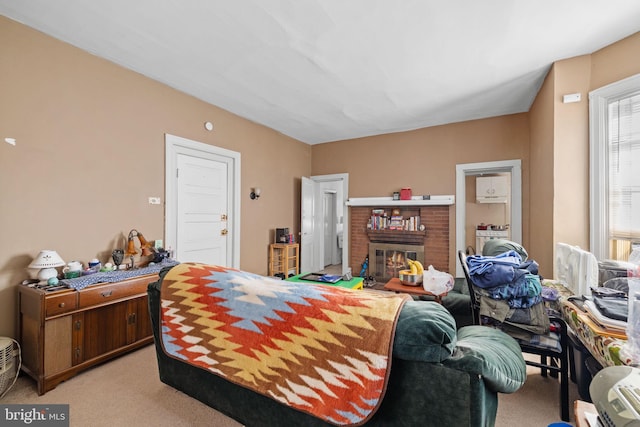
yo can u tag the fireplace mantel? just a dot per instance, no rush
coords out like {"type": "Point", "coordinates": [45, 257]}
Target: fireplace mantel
{"type": "Point", "coordinates": [389, 201]}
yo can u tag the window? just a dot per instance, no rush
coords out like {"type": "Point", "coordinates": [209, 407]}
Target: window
{"type": "Point", "coordinates": [615, 165]}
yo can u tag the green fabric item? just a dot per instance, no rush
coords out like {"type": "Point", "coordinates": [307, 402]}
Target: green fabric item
{"type": "Point", "coordinates": [425, 332]}
{"type": "Point", "coordinates": [491, 354]}
{"type": "Point", "coordinates": [457, 302]}
{"type": "Point", "coordinates": [460, 285]}
{"type": "Point", "coordinates": [495, 247]}
{"type": "Point", "coordinates": [430, 394]}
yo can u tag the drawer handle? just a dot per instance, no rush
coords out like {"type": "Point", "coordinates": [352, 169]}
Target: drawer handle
{"type": "Point", "coordinates": [106, 293]}
{"type": "Point", "coordinates": [61, 305]}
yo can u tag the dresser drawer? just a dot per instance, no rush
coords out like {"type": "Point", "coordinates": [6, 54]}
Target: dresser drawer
{"type": "Point", "coordinates": [113, 291]}
{"type": "Point", "coordinates": [58, 304]}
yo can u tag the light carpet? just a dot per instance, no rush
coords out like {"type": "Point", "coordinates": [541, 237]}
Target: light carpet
{"type": "Point", "coordinates": [127, 391]}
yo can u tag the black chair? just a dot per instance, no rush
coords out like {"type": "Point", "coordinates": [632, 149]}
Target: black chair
{"type": "Point", "coordinates": [552, 359]}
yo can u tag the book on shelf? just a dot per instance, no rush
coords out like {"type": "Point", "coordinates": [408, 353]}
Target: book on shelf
{"type": "Point", "coordinates": [395, 222]}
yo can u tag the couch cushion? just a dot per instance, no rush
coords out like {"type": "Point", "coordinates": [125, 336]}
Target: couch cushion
{"type": "Point", "coordinates": [491, 354]}
{"type": "Point", "coordinates": [425, 332]}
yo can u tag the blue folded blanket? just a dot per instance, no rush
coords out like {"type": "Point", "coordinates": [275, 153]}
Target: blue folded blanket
{"type": "Point", "coordinates": [489, 271]}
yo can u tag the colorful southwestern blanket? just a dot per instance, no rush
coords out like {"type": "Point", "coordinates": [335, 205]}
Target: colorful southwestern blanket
{"type": "Point", "coordinates": [323, 350]}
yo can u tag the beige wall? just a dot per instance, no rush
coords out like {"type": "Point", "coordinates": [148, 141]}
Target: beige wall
{"type": "Point", "coordinates": [90, 151]}
{"type": "Point", "coordinates": [421, 159]}
{"type": "Point", "coordinates": [541, 188]}
{"type": "Point", "coordinates": [560, 162]}
{"type": "Point", "coordinates": [425, 159]}
{"type": "Point", "coordinates": [571, 153]}
{"type": "Point", "coordinates": [615, 62]}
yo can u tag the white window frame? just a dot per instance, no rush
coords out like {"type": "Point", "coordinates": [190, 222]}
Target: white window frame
{"type": "Point", "coordinates": [598, 118]}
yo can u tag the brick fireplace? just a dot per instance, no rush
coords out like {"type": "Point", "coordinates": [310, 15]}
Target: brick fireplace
{"type": "Point", "coordinates": [435, 239]}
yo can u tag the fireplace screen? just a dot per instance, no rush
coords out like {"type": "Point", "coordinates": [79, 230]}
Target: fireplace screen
{"type": "Point", "coordinates": [386, 259]}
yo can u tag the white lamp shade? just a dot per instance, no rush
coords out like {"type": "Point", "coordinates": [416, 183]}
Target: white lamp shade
{"type": "Point", "coordinates": [47, 261]}
{"type": "Point", "coordinates": [47, 258]}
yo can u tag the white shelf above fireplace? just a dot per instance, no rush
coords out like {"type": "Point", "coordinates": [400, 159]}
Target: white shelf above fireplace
{"type": "Point", "coordinates": [389, 201]}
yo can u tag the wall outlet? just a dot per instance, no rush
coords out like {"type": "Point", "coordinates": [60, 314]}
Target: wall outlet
{"type": "Point", "coordinates": [154, 200]}
{"type": "Point", "coordinates": [158, 244]}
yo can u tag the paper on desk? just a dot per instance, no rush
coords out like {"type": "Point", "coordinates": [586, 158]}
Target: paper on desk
{"type": "Point", "coordinates": [592, 419]}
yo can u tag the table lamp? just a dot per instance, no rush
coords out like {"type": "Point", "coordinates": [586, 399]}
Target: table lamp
{"type": "Point", "coordinates": [145, 246]}
{"type": "Point", "coordinates": [47, 261]}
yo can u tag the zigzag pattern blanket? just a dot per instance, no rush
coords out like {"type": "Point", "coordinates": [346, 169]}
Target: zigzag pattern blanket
{"type": "Point", "coordinates": [321, 349]}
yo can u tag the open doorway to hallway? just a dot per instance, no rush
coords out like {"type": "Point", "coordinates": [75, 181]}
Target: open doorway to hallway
{"type": "Point", "coordinates": [323, 216]}
{"type": "Point", "coordinates": [513, 169]}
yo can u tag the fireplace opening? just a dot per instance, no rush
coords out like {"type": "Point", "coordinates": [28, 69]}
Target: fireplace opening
{"type": "Point", "coordinates": [387, 259]}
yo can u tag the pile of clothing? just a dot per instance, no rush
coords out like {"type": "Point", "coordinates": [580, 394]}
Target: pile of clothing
{"type": "Point", "coordinates": [607, 305]}
{"type": "Point", "coordinates": [510, 293]}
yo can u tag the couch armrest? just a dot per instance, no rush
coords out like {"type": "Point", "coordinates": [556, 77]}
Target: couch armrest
{"type": "Point", "coordinates": [426, 332]}
{"type": "Point", "coordinates": [491, 354]}
{"type": "Point", "coordinates": [158, 283]}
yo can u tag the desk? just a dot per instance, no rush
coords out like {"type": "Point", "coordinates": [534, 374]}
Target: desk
{"type": "Point", "coordinates": [603, 345]}
{"type": "Point", "coordinates": [355, 283]}
{"type": "Point", "coordinates": [396, 285]}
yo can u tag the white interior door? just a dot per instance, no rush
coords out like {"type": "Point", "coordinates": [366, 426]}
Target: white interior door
{"type": "Point", "coordinates": [202, 210]}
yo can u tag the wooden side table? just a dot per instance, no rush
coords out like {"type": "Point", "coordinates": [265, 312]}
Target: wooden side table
{"type": "Point", "coordinates": [283, 259]}
{"type": "Point", "coordinates": [396, 285]}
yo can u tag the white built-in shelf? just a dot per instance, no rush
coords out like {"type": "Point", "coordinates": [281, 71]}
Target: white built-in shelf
{"type": "Point", "coordinates": [415, 201]}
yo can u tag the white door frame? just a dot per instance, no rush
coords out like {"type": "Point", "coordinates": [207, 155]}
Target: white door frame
{"type": "Point", "coordinates": [175, 145]}
{"type": "Point", "coordinates": [344, 178]}
{"type": "Point", "coordinates": [464, 170]}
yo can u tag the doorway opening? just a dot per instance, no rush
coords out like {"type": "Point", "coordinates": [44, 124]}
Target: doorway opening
{"type": "Point", "coordinates": [514, 169]}
{"type": "Point", "coordinates": [323, 244]}
{"type": "Point", "coordinates": [332, 230]}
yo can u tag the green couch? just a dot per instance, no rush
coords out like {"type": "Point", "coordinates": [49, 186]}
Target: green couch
{"type": "Point", "coordinates": [439, 376]}
{"type": "Point", "coordinates": [457, 302]}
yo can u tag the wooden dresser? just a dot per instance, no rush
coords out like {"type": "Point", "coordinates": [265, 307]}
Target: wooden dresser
{"type": "Point", "coordinates": [65, 332]}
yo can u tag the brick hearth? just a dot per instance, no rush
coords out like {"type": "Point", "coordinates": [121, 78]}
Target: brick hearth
{"type": "Point", "coordinates": [436, 242]}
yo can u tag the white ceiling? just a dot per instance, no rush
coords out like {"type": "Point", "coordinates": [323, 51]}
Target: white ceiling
{"type": "Point", "coordinates": [326, 70]}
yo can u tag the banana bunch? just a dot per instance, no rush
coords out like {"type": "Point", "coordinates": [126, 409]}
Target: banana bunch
{"type": "Point", "coordinates": [415, 266]}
